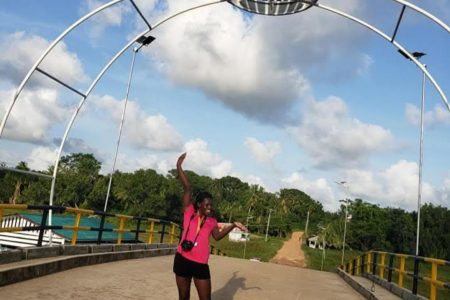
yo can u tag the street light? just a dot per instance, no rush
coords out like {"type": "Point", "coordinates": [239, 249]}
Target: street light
{"type": "Point", "coordinates": [343, 183]}
{"type": "Point", "coordinates": [418, 55]}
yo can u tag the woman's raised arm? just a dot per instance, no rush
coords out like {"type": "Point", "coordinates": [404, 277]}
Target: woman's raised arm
{"type": "Point", "coordinates": [184, 181]}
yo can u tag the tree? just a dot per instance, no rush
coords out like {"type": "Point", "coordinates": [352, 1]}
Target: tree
{"type": "Point", "coordinates": [77, 175]}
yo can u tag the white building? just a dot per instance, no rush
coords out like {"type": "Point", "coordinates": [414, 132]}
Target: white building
{"type": "Point", "coordinates": [236, 235]}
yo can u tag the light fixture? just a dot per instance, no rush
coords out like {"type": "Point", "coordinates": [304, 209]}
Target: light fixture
{"type": "Point", "coordinates": [273, 7]}
{"type": "Point", "coordinates": [145, 40]}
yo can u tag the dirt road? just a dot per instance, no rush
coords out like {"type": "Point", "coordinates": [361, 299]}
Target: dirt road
{"type": "Point", "coordinates": [291, 253]}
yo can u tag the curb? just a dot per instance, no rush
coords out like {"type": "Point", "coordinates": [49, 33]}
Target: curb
{"type": "Point", "coordinates": [63, 263]}
{"type": "Point", "coordinates": [356, 285]}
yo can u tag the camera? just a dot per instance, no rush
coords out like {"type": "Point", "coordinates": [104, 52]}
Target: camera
{"type": "Point", "coordinates": [187, 245]}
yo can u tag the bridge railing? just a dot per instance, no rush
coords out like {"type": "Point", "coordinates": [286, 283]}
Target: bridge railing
{"type": "Point", "coordinates": [404, 270]}
{"type": "Point", "coordinates": [142, 225]}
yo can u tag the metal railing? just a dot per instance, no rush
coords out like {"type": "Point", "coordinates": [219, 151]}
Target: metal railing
{"type": "Point", "coordinates": [143, 225]}
{"type": "Point", "coordinates": [385, 266]}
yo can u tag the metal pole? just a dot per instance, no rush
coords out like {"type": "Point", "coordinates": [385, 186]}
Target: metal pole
{"type": "Point", "coordinates": [246, 225]}
{"type": "Point", "coordinates": [344, 184]}
{"type": "Point", "coordinates": [268, 222]}
{"type": "Point", "coordinates": [419, 196]}
{"type": "Point", "coordinates": [306, 226]}
{"type": "Point", "coordinates": [323, 248]}
{"type": "Point", "coordinates": [345, 230]}
{"type": "Point", "coordinates": [135, 51]}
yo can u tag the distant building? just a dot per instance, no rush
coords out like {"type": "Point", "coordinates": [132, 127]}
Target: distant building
{"type": "Point", "coordinates": [236, 235]}
{"type": "Point", "coordinates": [313, 242]}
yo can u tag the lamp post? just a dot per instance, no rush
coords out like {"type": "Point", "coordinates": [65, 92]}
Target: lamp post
{"type": "Point", "coordinates": [268, 222]}
{"type": "Point", "coordinates": [418, 55]}
{"type": "Point", "coordinates": [323, 245]}
{"type": "Point", "coordinates": [246, 225]}
{"type": "Point", "coordinates": [343, 183]}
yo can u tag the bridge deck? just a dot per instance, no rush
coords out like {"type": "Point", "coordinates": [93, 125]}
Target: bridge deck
{"type": "Point", "coordinates": [152, 278]}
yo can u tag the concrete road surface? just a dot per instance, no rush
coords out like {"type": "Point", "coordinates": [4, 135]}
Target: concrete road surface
{"type": "Point", "coordinates": [152, 278]}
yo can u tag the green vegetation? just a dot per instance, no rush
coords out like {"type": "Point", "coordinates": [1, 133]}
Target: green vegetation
{"type": "Point", "coordinates": [256, 247]}
{"type": "Point", "coordinates": [149, 194]}
{"type": "Point", "coordinates": [332, 259]}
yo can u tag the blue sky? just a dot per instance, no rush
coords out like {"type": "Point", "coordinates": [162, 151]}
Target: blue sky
{"type": "Point", "coordinates": [298, 101]}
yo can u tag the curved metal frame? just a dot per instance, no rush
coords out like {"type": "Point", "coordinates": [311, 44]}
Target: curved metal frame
{"type": "Point", "coordinates": [120, 52]}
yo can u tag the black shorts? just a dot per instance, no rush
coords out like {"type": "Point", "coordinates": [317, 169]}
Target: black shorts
{"type": "Point", "coordinates": [187, 268]}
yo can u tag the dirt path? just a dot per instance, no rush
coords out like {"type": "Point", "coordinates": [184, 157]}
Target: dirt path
{"type": "Point", "coordinates": [291, 253]}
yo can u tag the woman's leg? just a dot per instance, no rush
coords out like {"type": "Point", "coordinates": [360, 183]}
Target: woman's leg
{"type": "Point", "coordinates": [184, 287]}
{"type": "Point", "coordinates": [203, 288]}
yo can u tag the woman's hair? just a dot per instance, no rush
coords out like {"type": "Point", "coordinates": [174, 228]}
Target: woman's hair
{"type": "Point", "coordinates": [200, 197]}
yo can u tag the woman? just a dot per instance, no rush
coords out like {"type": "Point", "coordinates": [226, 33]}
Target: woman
{"type": "Point", "coordinates": [191, 259]}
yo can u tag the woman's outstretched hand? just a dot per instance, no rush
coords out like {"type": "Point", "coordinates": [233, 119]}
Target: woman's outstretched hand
{"type": "Point", "coordinates": [240, 226]}
{"type": "Point", "coordinates": [181, 159]}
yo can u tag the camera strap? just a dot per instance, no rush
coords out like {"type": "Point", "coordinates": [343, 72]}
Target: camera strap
{"type": "Point", "coordinates": [199, 227]}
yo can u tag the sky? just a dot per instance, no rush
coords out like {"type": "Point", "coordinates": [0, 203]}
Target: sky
{"type": "Point", "coordinates": [300, 101]}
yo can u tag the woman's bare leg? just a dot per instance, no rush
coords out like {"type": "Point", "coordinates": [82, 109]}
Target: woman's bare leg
{"type": "Point", "coordinates": [184, 287]}
{"type": "Point", "coordinates": [203, 288]}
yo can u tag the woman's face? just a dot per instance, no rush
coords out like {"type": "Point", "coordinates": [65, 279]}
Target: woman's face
{"type": "Point", "coordinates": [206, 207]}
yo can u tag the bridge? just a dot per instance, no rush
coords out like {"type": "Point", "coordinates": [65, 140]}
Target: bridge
{"type": "Point", "coordinates": [136, 266]}
{"type": "Point", "coordinates": [152, 278]}
{"type": "Point", "coordinates": [133, 265]}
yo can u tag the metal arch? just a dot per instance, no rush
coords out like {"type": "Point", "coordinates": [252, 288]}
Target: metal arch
{"type": "Point", "coordinates": [50, 48]}
{"type": "Point", "coordinates": [396, 44]}
{"type": "Point", "coordinates": [425, 13]}
{"type": "Point", "coordinates": [108, 65]}
{"type": "Point", "coordinates": [94, 83]}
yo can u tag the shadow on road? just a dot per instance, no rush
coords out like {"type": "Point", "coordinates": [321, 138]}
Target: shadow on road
{"type": "Point", "coordinates": [231, 287]}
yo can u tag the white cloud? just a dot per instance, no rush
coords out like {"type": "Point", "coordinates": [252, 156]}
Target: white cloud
{"type": "Point", "coordinates": [202, 161]}
{"type": "Point", "coordinates": [11, 158]}
{"type": "Point", "coordinates": [438, 115]}
{"type": "Point", "coordinates": [251, 180]}
{"type": "Point", "coordinates": [37, 109]}
{"type": "Point", "coordinates": [228, 61]}
{"type": "Point", "coordinates": [318, 189]}
{"type": "Point", "coordinates": [34, 114]}
{"type": "Point", "coordinates": [41, 158]}
{"type": "Point", "coordinates": [246, 63]}
{"type": "Point", "coordinates": [19, 52]}
{"type": "Point", "coordinates": [113, 16]}
{"type": "Point", "coordinates": [263, 152]}
{"type": "Point", "coordinates": [367, 62]}
{"type": "Point", "coordinates": [131, 163]}
{"type": "Point", "coordinates": [395, 186]}
{"type": "Point", "coordinates": [333, 138]}
{"type": "Point", "coordinates": [140, 129]}
{"type": "Point", "coordinates": [444, 194]}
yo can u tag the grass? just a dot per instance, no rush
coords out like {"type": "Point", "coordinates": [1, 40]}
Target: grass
{"type": "Point", "coordinates": [332, 259]}
{"type": "Point", "coordinates": [256, 247]}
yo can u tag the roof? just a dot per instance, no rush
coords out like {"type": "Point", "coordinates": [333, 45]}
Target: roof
{"type": "Point", "coordinates": [69, 220]}
{"type": "Point", "coordinates": [314, 238]}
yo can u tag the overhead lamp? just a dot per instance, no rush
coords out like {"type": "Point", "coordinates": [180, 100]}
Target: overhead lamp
{"type": "Point", "coordinates": [145, 40]}
{"type": "Point", "coordinates": [273, 7]}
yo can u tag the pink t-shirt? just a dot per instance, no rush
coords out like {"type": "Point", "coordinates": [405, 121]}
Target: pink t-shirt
{"type": "Point", "coordinates": [199, 253]}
